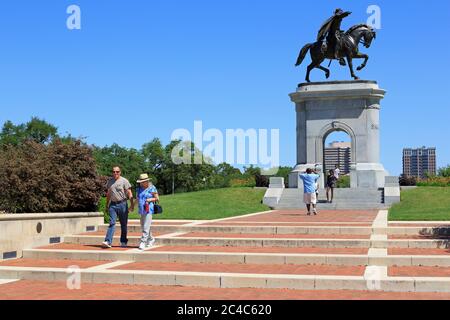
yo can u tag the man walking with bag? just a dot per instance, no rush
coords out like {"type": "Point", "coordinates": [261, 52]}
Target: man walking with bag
{"type": "Point", "coordinates": [119, 191]}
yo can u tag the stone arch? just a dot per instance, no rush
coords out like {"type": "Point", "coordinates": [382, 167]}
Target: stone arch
{"type": "Point", "coordinates": [326, 131]}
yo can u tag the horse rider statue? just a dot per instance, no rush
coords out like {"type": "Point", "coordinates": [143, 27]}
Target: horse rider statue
{"type": "Point", "coordinates": [334, 44]}
{"type": "Point", "coordinates": [331, 30]}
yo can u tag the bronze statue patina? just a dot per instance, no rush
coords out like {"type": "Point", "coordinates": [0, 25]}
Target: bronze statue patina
{"type": "Point", "coordinates": [333, 43]}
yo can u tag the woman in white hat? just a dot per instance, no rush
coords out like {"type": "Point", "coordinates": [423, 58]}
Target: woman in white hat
{"type": "Point", "coordinates": [147, 195]}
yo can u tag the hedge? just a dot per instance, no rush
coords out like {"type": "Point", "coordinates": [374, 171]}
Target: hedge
{"type": "Point", "coordinates": [56, 177]}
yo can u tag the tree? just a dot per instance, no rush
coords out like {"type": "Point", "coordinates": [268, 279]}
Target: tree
{"type": "Point", "coordinates": [130, 161]}
{"type": "Point", "coordinates": [444, 172]}
{"type": "Point", "coordinates": [153, 153]}
{"type": "Point", "coordinates": [36, 130]}
{"type": "Point", "coordinates": [227, 170]}
{"type": "Point", "coordinates": [255, 172]}
{"type": "Point", "coordinates": [183, 177]}
{"type": "Point", "coordinates": [40, 131]}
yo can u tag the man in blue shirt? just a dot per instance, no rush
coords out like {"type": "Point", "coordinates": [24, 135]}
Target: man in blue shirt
{"type": "Point", "coordinates": [309, 187]}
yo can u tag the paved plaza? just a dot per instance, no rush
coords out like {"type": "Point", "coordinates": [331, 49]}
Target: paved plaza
{"type": "Point", "coordinates": [279, 255]}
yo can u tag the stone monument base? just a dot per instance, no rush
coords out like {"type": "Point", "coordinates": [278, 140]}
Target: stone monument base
{"type": "Point", "coordinates": [362, 175]}
{"type": "Point", "coordinates": [368, 175]}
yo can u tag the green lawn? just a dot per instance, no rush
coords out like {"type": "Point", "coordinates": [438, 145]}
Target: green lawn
{"type": "Point", "coordinates": [423, 204]}
{"type": "Point", "coordinates": [211, 204]}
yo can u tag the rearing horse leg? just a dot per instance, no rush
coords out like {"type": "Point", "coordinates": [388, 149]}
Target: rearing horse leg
{"type": "Point", "coordinates": [310, 68]}
{"type": "Point", "coordinates": [362, 56]}
{"type": "Point", "coordinates": [350, 65]}
{"type": "Point", "coordinates": [327, 71]}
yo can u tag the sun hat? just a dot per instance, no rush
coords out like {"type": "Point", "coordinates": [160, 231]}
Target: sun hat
{"type": "Point", "coordinates": [143, 178]}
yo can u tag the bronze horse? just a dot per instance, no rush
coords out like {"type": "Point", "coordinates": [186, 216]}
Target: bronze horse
{"type": "Point", "coordinates": [350, 41]}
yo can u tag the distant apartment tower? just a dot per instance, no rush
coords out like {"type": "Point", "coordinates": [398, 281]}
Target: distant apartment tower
{"type": "Point", "coordinates": [338, 154]}
{"type": "Point", "coordinates": [418, 162]}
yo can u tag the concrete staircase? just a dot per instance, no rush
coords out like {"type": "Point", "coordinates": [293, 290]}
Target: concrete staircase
{"type": "Point", "coordinates": [349, 250]}
{"type": "Point", "coordinates": [343, 199]}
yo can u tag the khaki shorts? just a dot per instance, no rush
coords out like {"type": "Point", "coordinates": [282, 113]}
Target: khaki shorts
{"type": "Point", "coordinates": [310, 198]}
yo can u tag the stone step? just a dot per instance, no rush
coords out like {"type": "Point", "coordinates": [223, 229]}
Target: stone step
{"type": "Point", "coordinates": [166, 277]}
{"type": "Point", "coordinates": [336, 196]}
{"type": "Point", "coordinates": [236, 257]}
{"type": "Point", "coordinates": [343, 199]}
{"type": "Point", "coordinates": [234, 242]}
{"type": "Point", "coordinates": [362, 206]}
{"type": "Point", "coordinates": [269, 242]}
{"type": "Point", "coordinates": [272, 230]}
{"type": "Point", "coordinates": [282, 230]}
{"type": "Point", "coordinates": [338, 192]}
{"type": "Point", "coordinates": [330, 206]}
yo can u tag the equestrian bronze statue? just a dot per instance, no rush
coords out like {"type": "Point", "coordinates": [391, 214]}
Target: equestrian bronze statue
{"type": "Point", "coordinates": [334, 44]}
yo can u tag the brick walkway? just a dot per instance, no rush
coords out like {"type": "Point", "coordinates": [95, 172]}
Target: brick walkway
{"type": "Point", "coordinates": [38, 290]}
{"type": "Point", "coordinates": [271, 236]}
{"type": "Point", "coordinates": [419, 271]}
{"type": "Point", "coordinates": [288, 224]}
{"type": "Point", "coordinates": [418, 237]}
{"type": "Point", "coordinates": [417, 252]}
{"type": "Point", "coordinates": [197, 258]}
{"type": "Point", "coordinates": [248, 268]}
{"type": "Point", "coordinates": [66, 246]}
{"type": "Point", "coordinates": [83, 264]}
{"type": "Point", "coordinates": [264, 250]}
{"type": "Point", "coordinates": [324, 216]}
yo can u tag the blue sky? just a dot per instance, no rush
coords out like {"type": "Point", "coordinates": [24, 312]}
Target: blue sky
{"type": "Point", "coordinates": [139, 69]}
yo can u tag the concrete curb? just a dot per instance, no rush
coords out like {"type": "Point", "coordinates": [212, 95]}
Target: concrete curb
{"type": "Point", "coordinates": [271, 242]}
{"type": "Point", "coordinates": [283, 230]}
{"type": "Point", "coordinates": [233, 280]}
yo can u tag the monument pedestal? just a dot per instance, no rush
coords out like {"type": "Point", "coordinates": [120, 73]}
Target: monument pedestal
{"type": "Point", "coordinates": [349, 106]}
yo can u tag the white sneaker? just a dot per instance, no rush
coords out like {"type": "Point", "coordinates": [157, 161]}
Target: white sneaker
{"type": "Point", "coordinates": [106, 245]}
{"type": "Point", "coordinates": [142, 246]}
{"type": "Point", "coordinates": [151, 243]}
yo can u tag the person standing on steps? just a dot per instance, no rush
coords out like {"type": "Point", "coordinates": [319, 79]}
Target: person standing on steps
{"type": "Point", "coordinates": [331, 185]}
{"type": "Point", "coordinates": [147, 196]}
{"type": "Point", "coordinates": [117, 196]}
{"type": "Point", "coordinates": [309, 188]}
{"type": "Point", "coordinates": [337, 172]}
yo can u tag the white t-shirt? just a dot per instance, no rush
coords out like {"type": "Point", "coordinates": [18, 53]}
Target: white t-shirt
{"type": "Point", "coordinates": [337, 172]}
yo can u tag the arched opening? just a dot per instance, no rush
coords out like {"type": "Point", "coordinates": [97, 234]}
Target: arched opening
{"type": "Point", "coordinates": [337, 146]}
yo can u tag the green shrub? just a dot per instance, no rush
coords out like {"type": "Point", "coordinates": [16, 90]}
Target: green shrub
{"type": "Point", "coordinates": [343, 182]}
{"type": "Point", "coordinates": [434, 182]}
{"type": "Point", "coordinates": [406, 181]}
{"type": "Point", "coordinates": [243, 182]}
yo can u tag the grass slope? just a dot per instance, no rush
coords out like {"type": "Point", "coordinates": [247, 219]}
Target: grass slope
{"type": "Point", "coordinates": [211, 204]}
{"type": "Point", "coordinates": [423, 204]}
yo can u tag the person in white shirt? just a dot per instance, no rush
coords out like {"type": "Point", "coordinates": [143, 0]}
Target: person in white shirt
{"type": "Point", "coordinates": [337, 172]}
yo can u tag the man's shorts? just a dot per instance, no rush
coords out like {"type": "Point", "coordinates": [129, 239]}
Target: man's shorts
{"type": "Point", "coordinates": [310, 198]}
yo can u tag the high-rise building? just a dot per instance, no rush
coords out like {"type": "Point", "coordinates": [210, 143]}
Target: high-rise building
{"type": "Point", "coordinates": [419, 162]}
{"type": "Point", "coordinates": [338, 154]}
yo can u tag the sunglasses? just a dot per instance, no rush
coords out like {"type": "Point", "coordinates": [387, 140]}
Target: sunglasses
{"type": "Point", "coordinates": [116, 171]}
